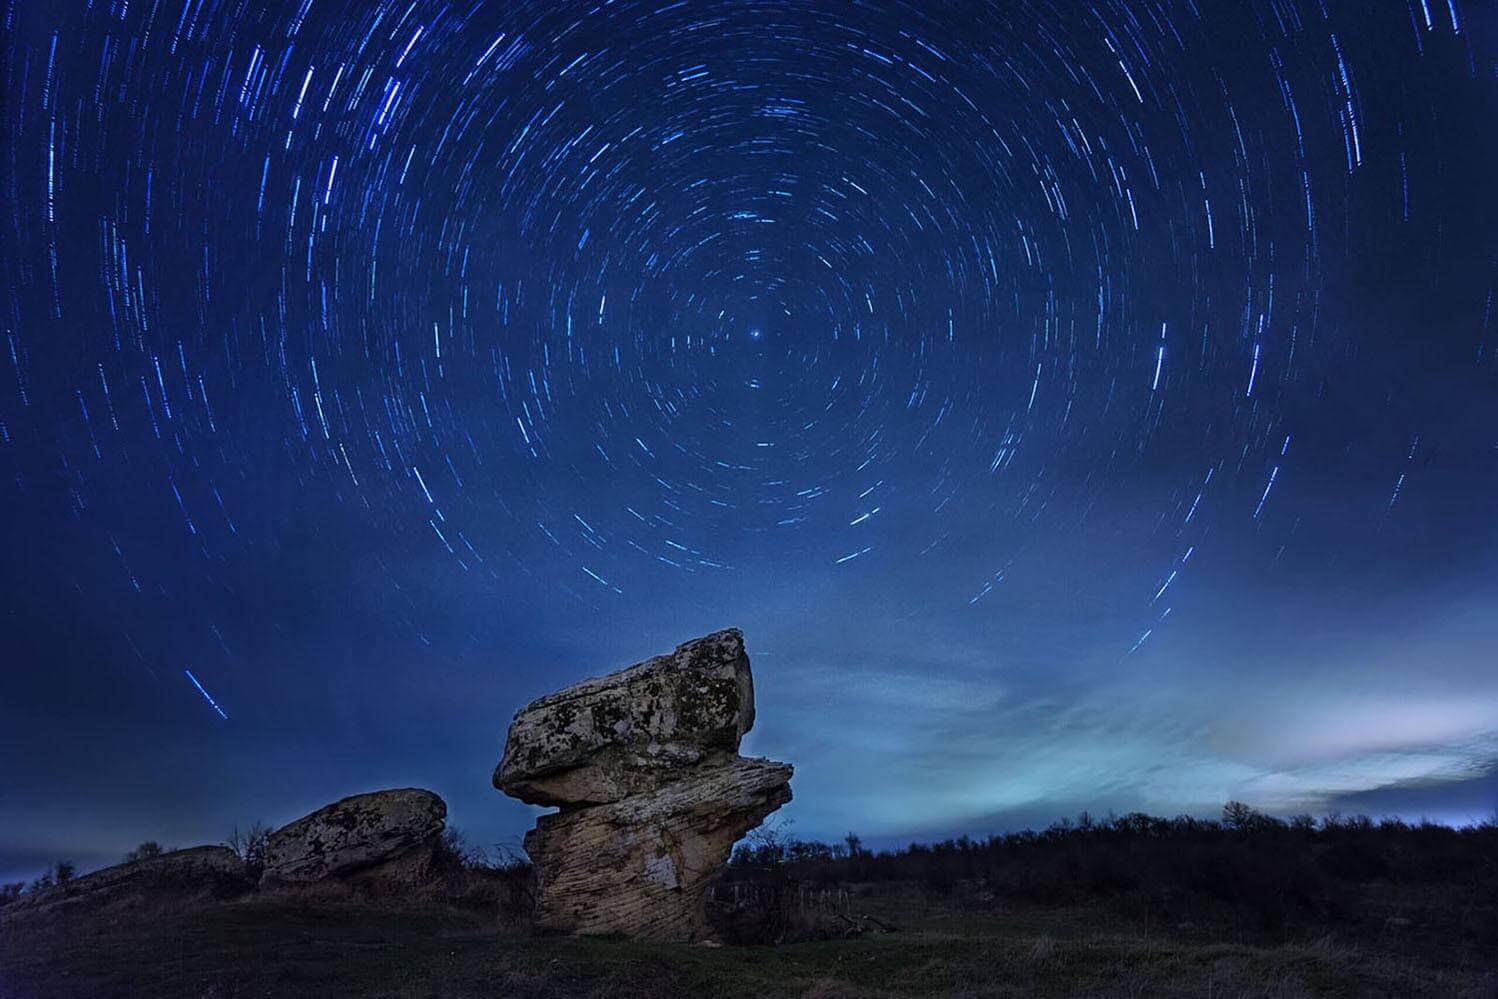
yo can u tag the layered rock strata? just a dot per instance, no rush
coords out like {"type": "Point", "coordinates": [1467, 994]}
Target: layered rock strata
{"type": "Point", "coordinates": [644, 766]}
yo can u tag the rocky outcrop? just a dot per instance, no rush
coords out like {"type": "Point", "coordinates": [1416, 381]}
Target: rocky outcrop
{"type": "Point", "coordinates": [393, 831]}
{"type": "Point", "coordinates": [206, 871]}
{"type": "Point", "coordinates": [644, 766]}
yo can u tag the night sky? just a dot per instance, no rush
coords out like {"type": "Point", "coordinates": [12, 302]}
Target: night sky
{"type": "Point", "coordinates": [1077, 405]}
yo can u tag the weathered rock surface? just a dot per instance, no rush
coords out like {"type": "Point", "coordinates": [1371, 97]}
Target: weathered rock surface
{"type": "Point", "coordinates": [605, 738]}
{"type": "Point", "coordinates": [200, 870]}
{"type": "Point", "coordinates": [644, 765]}
{"type": "Point", "coordinates": [386, 829]}
{"type": "Point", "coordinates": [641, 866]}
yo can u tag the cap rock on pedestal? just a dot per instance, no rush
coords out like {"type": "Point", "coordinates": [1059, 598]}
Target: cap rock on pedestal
{"type": "Point", "coordinates": [644, 766]}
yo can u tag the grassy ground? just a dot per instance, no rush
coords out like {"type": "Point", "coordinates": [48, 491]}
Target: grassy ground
{"type": "Point", "coordinates": [266, 948]}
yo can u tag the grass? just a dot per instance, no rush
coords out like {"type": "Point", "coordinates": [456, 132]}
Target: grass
{"type": "Point", "coordinates": [266, 947]}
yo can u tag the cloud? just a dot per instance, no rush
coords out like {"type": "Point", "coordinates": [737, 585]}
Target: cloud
{"type": "Point", "coordinates": [954, 745]}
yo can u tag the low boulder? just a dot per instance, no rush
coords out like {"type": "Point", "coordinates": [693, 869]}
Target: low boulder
{"type": "Point", "coordinates": [389, 830]}
{"type": "Point", "coordinates": [205, 871]}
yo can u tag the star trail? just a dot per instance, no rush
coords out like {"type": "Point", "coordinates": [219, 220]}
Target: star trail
{"type": "Point", "coordinates": [1078, 404]}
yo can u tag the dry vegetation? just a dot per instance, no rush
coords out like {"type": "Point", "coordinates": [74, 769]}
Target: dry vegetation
{"type": "Point", "coordinates": [1134, 906]}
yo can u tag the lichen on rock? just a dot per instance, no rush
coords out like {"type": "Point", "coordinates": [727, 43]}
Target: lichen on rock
{"type": "Point", "coordinates": [355, 834]}
{"type": "Point", "coordinates": [644, 766]}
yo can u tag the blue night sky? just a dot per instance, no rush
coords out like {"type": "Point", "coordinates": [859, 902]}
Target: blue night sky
{"type": "Point", "coordinates": [1077, 405]}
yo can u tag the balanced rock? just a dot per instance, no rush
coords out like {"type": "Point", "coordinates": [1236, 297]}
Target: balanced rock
{"type": "Point", "coordinates": [644, 765]}
{"type": "Point", "coordinates": [358, 833]}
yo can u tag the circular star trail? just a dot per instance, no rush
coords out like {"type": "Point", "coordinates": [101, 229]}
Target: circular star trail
{"type": "Point", "coordinates": [600, 301]}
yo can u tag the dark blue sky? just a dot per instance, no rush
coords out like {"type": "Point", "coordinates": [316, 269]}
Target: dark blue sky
{"type": "Point", "coordinates": [1078, 405]}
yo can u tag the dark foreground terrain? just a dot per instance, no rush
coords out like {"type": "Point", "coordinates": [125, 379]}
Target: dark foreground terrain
{"type": "Point", "coordinates": [274, 948]}
{"type": "Point", "coordinates": [1131, 906]}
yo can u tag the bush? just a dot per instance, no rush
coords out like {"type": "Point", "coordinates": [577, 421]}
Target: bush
{"type": "Point", "coordinates": [60, 873]}
{"type": "Point", "coordinates": [452, 852]}
{"type": "Point", "coordinates": [150, 848]}
{"type": "Point", "coordinates": [469, 876]}
{"type": "Point", "coordinates": [762, 906]}
{"type": "Point", "coordinates": [251, 846]}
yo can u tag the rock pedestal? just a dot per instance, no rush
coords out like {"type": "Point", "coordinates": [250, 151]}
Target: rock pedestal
{"type": "Point", "coordinates": [644, 766]}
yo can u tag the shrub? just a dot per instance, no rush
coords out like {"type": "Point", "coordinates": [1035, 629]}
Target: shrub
{"type": "Point", "coordinates": [60, 873]}
{"type": "Point", "coordinates": [150, 848]}
{"type": "Point", "coordinates": [452, 852]}
{"type": "Point", "coordinates": [251, 847]}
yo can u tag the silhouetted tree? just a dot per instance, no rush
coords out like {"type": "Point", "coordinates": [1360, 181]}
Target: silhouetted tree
{"type": "Point", "coordinates": [150, 848]}
{"type": "Point", "coordinates": [60, 873]}
{"type": "Point", "coordinates": [1238, 816]}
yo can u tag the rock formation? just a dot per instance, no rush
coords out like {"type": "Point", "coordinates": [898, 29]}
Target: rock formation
{"type": "Point", "coordinates": [393, 831]}
{"type": "Point", "coordinates": [644, 765]}
{"type": "Point", "coordinates": [207, 871]}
